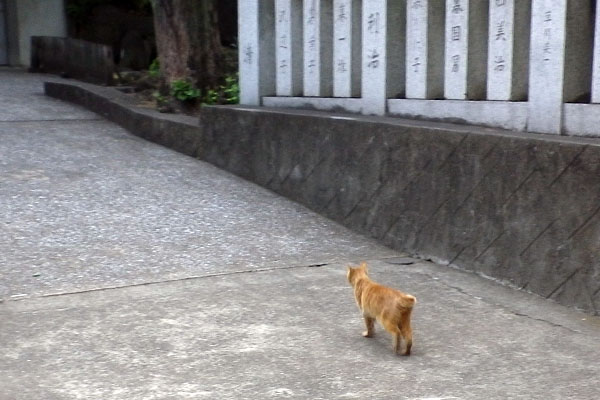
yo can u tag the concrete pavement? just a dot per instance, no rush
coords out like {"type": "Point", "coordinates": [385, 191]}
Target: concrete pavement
{"type": "Point", "coordinates": [129, 271]}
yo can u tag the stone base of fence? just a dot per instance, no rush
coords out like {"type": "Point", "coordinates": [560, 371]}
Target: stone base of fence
{"type": "Point", "coordinates": [527, 65]}
{"type": "Point", "coordinates": [521, 208]}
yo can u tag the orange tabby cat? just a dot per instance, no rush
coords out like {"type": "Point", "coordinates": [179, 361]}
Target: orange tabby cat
{"type": "Point", "coordinates": [390, 307]}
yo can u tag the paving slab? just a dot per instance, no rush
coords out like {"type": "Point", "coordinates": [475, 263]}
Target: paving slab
{"type": "Point", "coordinates": [296, 333]}
{"type": "Point", "coordinates": [22, 100]}
{"type": "Point", "coordinates": [85, 204]}
{"type": "Point", "coordinates": [129, 271]}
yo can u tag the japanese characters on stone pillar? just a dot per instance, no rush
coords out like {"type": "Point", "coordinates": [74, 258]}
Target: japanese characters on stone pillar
{"type": "Point", "coordinates": [466, 49]}
{"type": "Point", "coordinates": [424, 49]}
{"type": "Point", "coordinates": [559, 69]}
{"type": "Point", "coordinates": [508, 48]}
{"type": "Point", "coordinates": [383, 31]}
{"type": "Point", "coordinates": [374, 22]}
{"type": "Point", "coordinates": [318, 35]}
{"type": "Point", "coordinates": [346, 48]}
{"type": "Point", "coordinates": [288, 51]}
{"type": "Point", "coordinates": [546, 69]}
{"type": "Point", "coordinates": [256, 50]}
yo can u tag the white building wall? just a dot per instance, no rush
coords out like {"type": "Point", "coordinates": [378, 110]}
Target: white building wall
{"type": "Point", "coordinates": [26, 18]}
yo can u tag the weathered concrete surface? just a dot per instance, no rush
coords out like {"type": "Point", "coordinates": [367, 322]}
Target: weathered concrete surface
{"type": "Point", "coordinates": [178, 132]}
{"type": "Point", "coordinates": [521, 208]}
{"type": "Point", "coordinates": [295, 333]}
{"type": "Point", "coordinates": [22, 100]}
{"type": "Point", "coordinates": [87, 205]}
{"type": "Point", "coordinates": [90, 207]}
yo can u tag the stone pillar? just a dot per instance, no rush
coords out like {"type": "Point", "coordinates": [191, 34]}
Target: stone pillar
{"type": "Point", "coordinates": [508, 49]}
{"type": "Point", "coordinates": [383, 33]}
{"type": "Point", "coordinates": [596, 62]}
{"type": "Point", "coordinates": [466, 49]}
{"type": "Point", "coordinates": [425, 49]}
{"type": "Point", "coordinates": [3, 35]}
{"type": "Point", "coordinates": [256, 32]}
{"type": "Point", "coordinates": [560, 64]}
{"type": "Point", "coordinates": [288, 51]}
{"type": "Point", "coordinates": [346, 48]}
{"type": "Point", "coordinates": [318, 35]}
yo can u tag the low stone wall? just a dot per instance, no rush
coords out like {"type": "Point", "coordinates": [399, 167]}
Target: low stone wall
{"type": "Point", "coordinates": [524, 209]}
{"type": "Point", "coordinates": [181, 133]}
{"type": "Point", "coordinates": [73, 58]}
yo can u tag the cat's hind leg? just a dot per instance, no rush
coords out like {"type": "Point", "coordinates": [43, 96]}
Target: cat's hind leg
{"type": "Point", "coordinates": [396, 335]}
{"type": "Point", "coordinates": [407, 333]}
{"type": "Point", "coordinates": [370, 323]}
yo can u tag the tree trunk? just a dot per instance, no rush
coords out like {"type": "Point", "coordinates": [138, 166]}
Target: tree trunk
{"type": "Point", "coordinates": [188, 41]}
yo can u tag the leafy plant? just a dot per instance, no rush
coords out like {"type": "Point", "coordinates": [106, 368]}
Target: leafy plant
{"type": "Point", "coordinates": [228, 93]}
{"type": "Point", "coordinates": [184, 91]}
{"type": "Point", "coordinates": [160, 99]}
{"type": "Point", "coordinates": [231, 89]}
{"type": "Point", "coordinates": [211, 97]}
{"type": "Point", "coordinates": [158, 96]}
{"type": "Point", "coordinates": [154, 69]}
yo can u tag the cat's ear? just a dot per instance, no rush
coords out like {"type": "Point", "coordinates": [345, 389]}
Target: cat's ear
{"type": "Point", "coordinates": [363, 266]}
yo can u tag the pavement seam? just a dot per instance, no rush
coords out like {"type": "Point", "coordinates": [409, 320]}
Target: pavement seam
{"type": "Point", "coordinates": [495, 304]}
{"type": "Point", "coordinates": [189, 278]}
{"type": "Point", "coordinates": [21, 121]}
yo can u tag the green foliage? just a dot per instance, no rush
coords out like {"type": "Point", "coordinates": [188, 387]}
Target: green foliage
{"type": "Point", "coordinates": [210, 97]}
{"type": "Point", "coordinates": [184, 91]}
{"type": "Point", "coordinates": [154, 69]}
{"type": "Point", "coordinates": [228, 93]}
{"type": "Point", "coordinates": [231, 89]}
{"type": "Point", "coordinates": [160, 99]}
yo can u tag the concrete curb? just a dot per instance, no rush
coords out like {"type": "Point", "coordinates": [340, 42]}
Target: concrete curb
{"type": "Point", "coordinates": [178, 132]}
{"type": "Point", "coordinates": [521, 208]}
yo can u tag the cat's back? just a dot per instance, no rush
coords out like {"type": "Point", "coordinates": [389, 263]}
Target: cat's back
{"type": "Point", "coordinates": [377, 298]}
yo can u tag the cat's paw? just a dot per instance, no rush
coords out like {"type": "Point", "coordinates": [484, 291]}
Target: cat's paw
{"type": "Point", "coordinates": [367, 334]}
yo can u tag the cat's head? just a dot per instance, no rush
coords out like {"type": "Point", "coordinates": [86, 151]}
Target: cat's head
{"type": "Point", "coordinates": [355, 272]}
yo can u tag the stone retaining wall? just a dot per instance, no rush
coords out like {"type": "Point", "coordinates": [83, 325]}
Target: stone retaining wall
{"type": "Point", "coordinates": [73, 58]}
{"type": "Point", "coordinates": [523, 209]}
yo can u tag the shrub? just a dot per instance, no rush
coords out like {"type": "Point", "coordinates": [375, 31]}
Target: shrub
{"type": "Point", "coordinates": [231, 90]}
{"type": "Point", "coordinates": [228, 93]}
{"type": "Point", "coordinates": [184, 91]}
{"type": "Point", "coordinates": [154, 69]}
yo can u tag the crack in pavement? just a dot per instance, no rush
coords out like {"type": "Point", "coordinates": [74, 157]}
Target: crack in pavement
{"type": "Point", "coordinates": [429, 276]}
{"type": "Point", "coordinates": [542, 320]}
{"type": "Point", "coordinates": [494, 304]}
{"type": "Point", "coordinates": [21, 297]}
{"type": "Point", "coordinates": [22, 121]}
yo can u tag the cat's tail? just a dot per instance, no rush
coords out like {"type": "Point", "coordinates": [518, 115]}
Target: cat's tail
{"type": "Point", "coordinates": [408, 301]}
